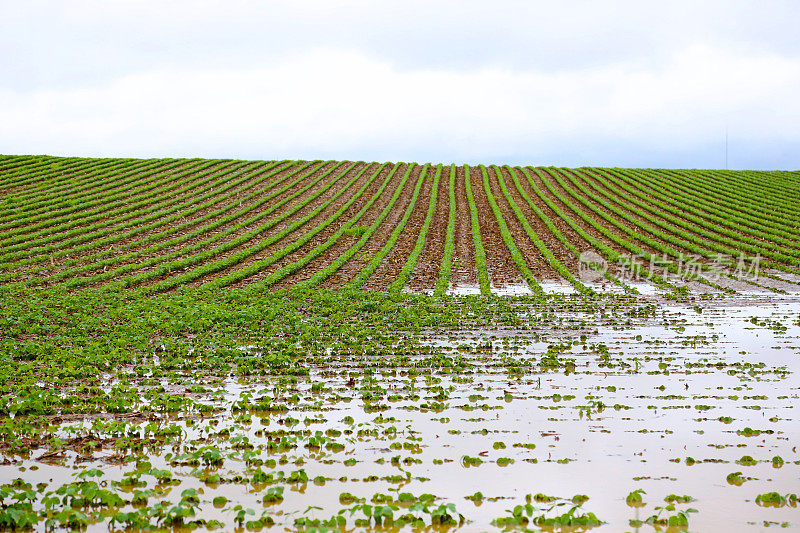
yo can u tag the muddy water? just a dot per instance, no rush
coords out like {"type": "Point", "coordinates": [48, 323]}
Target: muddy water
{"type": "Point", "coordinates": [659, 403]}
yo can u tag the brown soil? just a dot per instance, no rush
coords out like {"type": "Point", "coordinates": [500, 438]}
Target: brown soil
{"type": "Point", "coordinates": [254, 188]}
{"type": "Point", "coordinates": [341, 245]}
{"type": "Point", "coordinates": [426, 271]}
{"type": "Point", "coordinates": [536, 262]}
{"type": "Point", "coordinates": [502, 270]}
{"type": "Point", "coordinates": [556, 247]}
{"type": "Point", "coordinates": [156, 196]}
{"type": "Point", "coordinates": [571, 235]}
{"type": "Point", "coordinates": [137, 241]}
{"type": "Point", "coordinates": [464, 270]}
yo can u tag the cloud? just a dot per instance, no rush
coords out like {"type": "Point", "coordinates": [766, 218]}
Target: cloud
{"type": "Point", "coordinates": [81, 42]}
{"type": "Point", "coordinates": [349, 104]}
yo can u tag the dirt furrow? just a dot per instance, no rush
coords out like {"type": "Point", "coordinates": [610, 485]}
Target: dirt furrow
{"type": "Point", "coordinates": [558, 249]}
{"type": "Point", "coordinates": [571, 235]}
{"type": "Point", "coordinates": [426, 271]}
{"type": "Point", "coordinates": [537, 263]}
{"type": "Point", "coordinates": [464, 271]}
{"type": "Point", "coordinates": [502, 270]}
{"type": "Point", "coordinates": [233, 205]}
{"type": "Point", "coordinates": [325, 233]}
{"type": "Point", "coordinates": [612, 216]}
{"type": "Point", "coordinates": [137, 241]}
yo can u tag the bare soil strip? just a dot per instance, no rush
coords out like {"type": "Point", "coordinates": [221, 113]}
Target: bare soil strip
{"type": "Point", "coordinates": [464, 270]}
{"type": "Point", "coordinates": [140, 242]}
{"type": "Point", "coordinates": [229, 230]}
{"type": "Point", "coordinates": [245, 221]}
{"type": "Point", "coordinates": [293, 235]}
{"type": "Point", "coordinates": [502, 270]}
{"type": "Point", "coordinates": [426, 271]}
{"type": "Point", "coordinates": [556, 247]}
{"type": "Point", "coordinates": [567, 211]}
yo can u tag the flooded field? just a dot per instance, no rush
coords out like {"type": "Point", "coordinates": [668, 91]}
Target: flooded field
{"type": "Point", "coordinates": [560, 416]}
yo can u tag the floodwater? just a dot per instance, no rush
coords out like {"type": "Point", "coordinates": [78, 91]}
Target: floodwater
{"type": "Point", "coordinates": [667, 403]}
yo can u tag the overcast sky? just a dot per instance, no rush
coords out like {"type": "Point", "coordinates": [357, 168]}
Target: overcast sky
{"type": "Point", "coordinates": [638, 83]}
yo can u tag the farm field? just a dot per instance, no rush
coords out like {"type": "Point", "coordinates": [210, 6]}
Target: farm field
{"type": "Point", "coordinates": [149, 226]}
{"type": "Point", "coordinates": [191, 344]}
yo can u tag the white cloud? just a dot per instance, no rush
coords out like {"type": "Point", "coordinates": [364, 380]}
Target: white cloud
{"type": "Point", "coordinates": [347, 104]}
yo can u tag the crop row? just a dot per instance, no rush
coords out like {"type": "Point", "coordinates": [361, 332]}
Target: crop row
{"type": "Point", "coordinates": [78, 223]}
{"type": "Point", "coordinates": [675, 233]}
{"type": "Point", "coordinates": [119, 242]}
{"type": "Point", "coordinates": [81, 192]}
{"type": "Point", "coordinates": [405, 274]}
{"type": "Point", "coordinates": [304, 238]}
{"type": "Point", "coordinates": [475, 226]}
{"type": "Point", "coordinates": [449, 244]}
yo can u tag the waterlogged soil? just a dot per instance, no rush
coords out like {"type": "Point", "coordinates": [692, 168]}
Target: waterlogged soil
{"type": "Point", "coordinates": [566, 413]}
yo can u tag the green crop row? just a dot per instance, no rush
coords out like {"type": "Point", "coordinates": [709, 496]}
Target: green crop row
{"type": "Point", "coordinates": [153, 173]}
{"type": "Point", "coordinates": [45, 176]}
{"type": "Point", "coordinates": [729, 190]}
{"type": "Point", "coordinates": [557, 265]}
{"type": "Point", "coordinates": [708, 207]}
{"type": "Point", "coordinates": [60, 191]}
{"type": "Point", "coordinates": [653, 243]}
{"type": "Point", "coordinates": [81, 193]}
{"type": "Point", "coordinates": [79, 222]}
{"type": "Point", "coordinates": [258, 266]}
{"type": "Point", "coordinates": [328, 270]}
{"type": "Point", "coordinates": [766, 244]}
{"type": "Point", "coordinates": [728, 226]}
{"type": "Point", "coordinates": [676, 236]}
{"type": "Point", "coordinates": [740, 185]}
{"type": "Point", "coordinates": [480, 253]}
{"type": "Point", "coordinates": [78, 233]}
{"type": "Point", "coordinates": [608, 253]}
{"type": "Point", "coordinates": [612, 255]}
{"type": "Point", "coordinates": [154, 224]}
{"type": "Point", "coordinates": [449, 245]}
{"type": "Point", "coordinates": [155, 255]}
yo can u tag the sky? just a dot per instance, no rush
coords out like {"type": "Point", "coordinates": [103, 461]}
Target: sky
{"type": "Point", "coordinates": [572, 83]}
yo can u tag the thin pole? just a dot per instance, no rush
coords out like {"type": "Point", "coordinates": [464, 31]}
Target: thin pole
{"type": "Point", "coordinates": [726, 147]}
